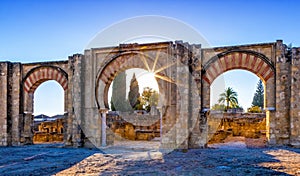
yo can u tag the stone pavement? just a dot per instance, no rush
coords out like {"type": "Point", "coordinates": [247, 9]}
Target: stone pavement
{"type": "Point", "coordinates": [232, 158]}
{"type": "Point", "coordinates": [136, 159]}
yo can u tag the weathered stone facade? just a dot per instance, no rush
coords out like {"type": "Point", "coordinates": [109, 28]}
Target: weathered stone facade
{"type": "Point", "coordinates": [184, 73]}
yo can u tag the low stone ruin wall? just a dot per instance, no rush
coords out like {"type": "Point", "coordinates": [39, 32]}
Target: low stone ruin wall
{"type": "Point", "coordinates": [40, 137]}
{"type": "Point", "coordinates": [49, 131]}
{"type": "Point", "coordinates": [134, 126]}
{"type": "Point", "coordinates": [248, 125]}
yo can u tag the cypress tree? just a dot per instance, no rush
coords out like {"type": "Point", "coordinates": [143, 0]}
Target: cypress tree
{"type": "Point", "coordinates": [119, 101]}
{"type": "Point", "coordinates": [133, 94]}
{"type": "Point", "coordinates": [258, 99]}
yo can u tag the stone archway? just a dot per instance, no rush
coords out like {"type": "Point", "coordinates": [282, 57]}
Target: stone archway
{"type": "Point", "coordinates": [254, 62]}
{"type": "Point", "coordinates": [120, 63]}
{"type": "Point", "coordinates": [35, 77]}
{"type": "Point", "coordinates": [156, 62]}
{"type": "Point", "coordinates": [174, 80]}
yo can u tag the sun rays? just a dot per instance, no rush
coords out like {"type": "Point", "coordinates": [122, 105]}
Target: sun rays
{"type": "Point", "coordinates": [156, 72]}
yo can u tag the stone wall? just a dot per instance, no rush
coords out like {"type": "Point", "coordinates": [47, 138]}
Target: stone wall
{"type": "Point", "coordinates": [49, 131]}
{"type": "Point", "coordinates": [295, 98]}
{"type": "Point", "coordinates": [4, 108]}
{"type": "Point", "coordinates": [135, 127]}
{"type": "Point", "coordinates": [186, 72]}
{"type": "Point", "coordinates": [248, 125]}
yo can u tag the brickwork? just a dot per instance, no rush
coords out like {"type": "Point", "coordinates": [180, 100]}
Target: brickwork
{"type": "Point", "coordinates": [184, 74]}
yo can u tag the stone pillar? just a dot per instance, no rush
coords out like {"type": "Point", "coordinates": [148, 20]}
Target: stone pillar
{"type": "Point", "coordinates": [75, 136]}
{"type": "Point", "coordinates": [205, 102]}
{"type": "Point", "coordinates": [295, 99]}
{"type": "Point", "coordinates": [103, 126]}
{"type": "Point", "coordinates": [28, 128]}
{"type": "Point", "coordinates": [281, 120]}
{"type": "Point", "coordinates": [3, 107]}
{"type": "Point", "coordinates": [270, 107]}
{"type": "Point", "coordinates": [169, 116]}
{"type": "Point", "coordinates": [16, 104]}
{"type": "Point", "coordinates": [160, 111]}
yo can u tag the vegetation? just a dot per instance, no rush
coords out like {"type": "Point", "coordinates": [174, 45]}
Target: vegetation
{"type": "Point", "coordinates": [118, 99]}
{"type": "Point", "coordinates": [258, 99]}
{"type": "Point", "coordinates": [112, 106]}
{"type": "Point", "coordinates": [135, 101]}
{"type": "Point", "coordinates": [133, 95]}
{"type": "Point", "coordinates": [149, 98]}
{"type": "Point", "coordinates": [255, 109]}
{"type": "Point", "coordinates": [229, 97]}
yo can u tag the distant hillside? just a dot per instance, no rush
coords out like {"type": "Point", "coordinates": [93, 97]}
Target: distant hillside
{"type": "Point", "coordinates": [43, 117]}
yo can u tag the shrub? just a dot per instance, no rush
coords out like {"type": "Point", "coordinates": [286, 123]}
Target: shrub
{"type": "Point", "coordinates": [255, 109]}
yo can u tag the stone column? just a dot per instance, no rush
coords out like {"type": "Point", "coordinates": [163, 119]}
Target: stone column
{"type": "Point", "coordinates": [283, 85]}
{"type": "Point", "coordinates": [295, 99]}
{"type": "Point", "coordinates": [160, 109]}
{"type": "Point", "coordinates": [28, 126]}
{"type": "Point", "coordinates": [4, 105]}
{"type": "Point", "coordinates": [103, 126]}
{"type": "Point", "coordinates": [270, 108]}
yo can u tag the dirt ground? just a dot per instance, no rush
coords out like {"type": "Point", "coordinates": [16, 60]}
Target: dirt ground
{"type": "Point", "coordinates": [234, 157]}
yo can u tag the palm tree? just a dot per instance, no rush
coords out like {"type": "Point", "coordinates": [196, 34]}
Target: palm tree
{"type": "Point", "coordinates": [230, 97]}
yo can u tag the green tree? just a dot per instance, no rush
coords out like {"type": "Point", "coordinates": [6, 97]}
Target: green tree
{"type": "Point", "coordinates": [118, 99]}
{"type": "Point", "coordinates": [112, 106]}
{"type": "Point", "coordinates": [133, 95]}
{"type": "Point", "coordinates": [149, 98]}
{"type": "Point", "coordinates": [258, 99]}
{"type": "Point", "coordinates": [229, 96]}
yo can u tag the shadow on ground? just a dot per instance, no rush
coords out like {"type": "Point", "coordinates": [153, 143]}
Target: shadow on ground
{"type": "Point", "coordinates": [42, 159]}
{"type": "Point", "coordinates": [203, 162]}
{"type": "Point", "coordinates": [51, 160]}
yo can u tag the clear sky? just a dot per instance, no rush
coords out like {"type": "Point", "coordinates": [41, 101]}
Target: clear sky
{"type": "Point", "coordinates": [54, 29]}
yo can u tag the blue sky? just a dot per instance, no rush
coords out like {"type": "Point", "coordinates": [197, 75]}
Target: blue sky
{"type": "Point", "coordinates": [52, 30]}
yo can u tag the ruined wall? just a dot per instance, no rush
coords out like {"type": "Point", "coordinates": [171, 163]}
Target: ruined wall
{"type": "Point", "coordinates": [248, 125]}
{"type": "Point", "coordinates": [185, 90]}
{"type": "Point", "coordinates": [50, 131]}
{"type": "Point", "coordinates": [135, 127]}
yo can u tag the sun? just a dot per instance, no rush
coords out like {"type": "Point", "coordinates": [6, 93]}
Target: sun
{"type": "Point", "coordinates": [146, 79]}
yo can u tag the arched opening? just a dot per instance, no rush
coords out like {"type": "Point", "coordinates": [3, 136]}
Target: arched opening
{"type": "Point", "coordinates": [48, 112]}
{"type": "Point", "coordinates": [133, 98]}
{"type": "Point", "coordinates": [33, 80]}
{"type": "Point", "coordinates": [175, 85]}
{"type": "Point", "coordinates": [242, 123]}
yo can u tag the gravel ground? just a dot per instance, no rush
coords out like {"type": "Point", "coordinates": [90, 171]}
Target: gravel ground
{"type": "Point", "coordinates": [225, 159]}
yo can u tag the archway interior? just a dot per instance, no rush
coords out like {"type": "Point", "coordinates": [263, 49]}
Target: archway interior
{"type": "Point", "coordinates": [48, 111]}
{"type": "Point", "coordinates": [242, 81]}
{"type": "Point", "coordinates": [49, 99]}
{"type": "Point", "coordinates": [144, 78]}
{"type": "Point", "coordinates": [129, 116]}
{"type": "Point", "coordinates": [242, 125]}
